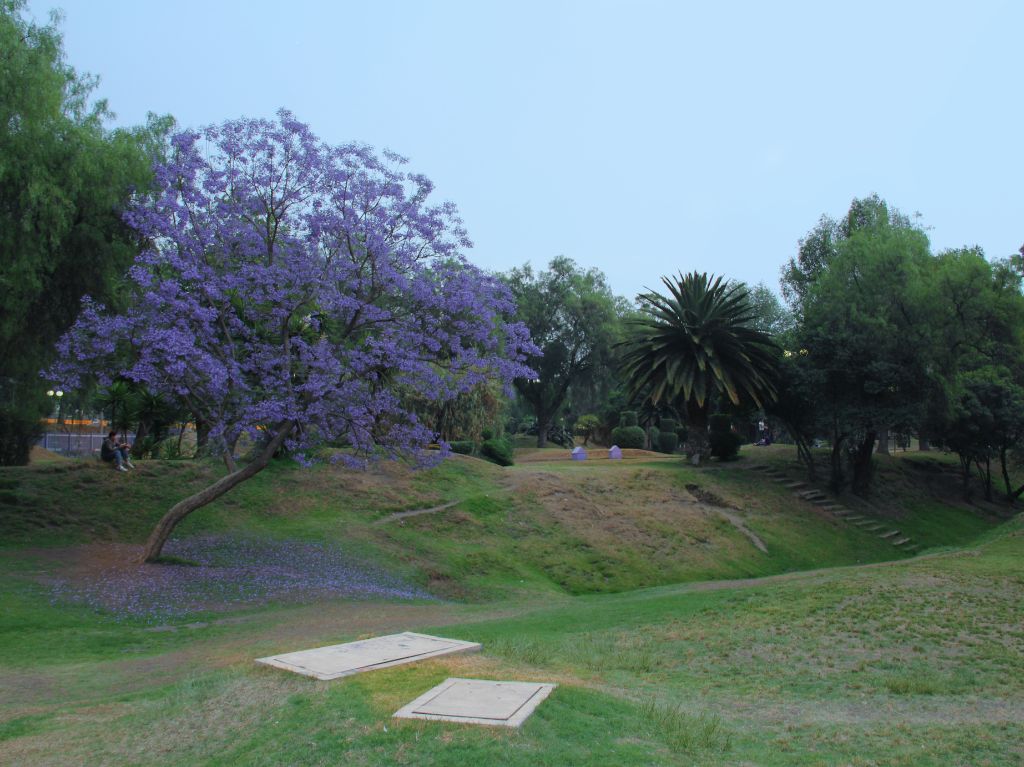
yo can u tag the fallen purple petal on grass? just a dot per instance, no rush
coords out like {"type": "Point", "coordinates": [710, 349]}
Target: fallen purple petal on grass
{"type": "Point", "coordinates": [231, 572]}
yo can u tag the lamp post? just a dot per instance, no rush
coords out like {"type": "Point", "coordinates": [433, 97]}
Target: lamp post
{"type": "Point", "coordinates": [60, 410]}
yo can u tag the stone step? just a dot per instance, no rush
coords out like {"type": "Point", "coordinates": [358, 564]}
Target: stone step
{"type": "Point", "coordinates": [833, 507]}
{"type": "Point", "coordinates": [813, 495]}
{"type": "Point", "coordinates": [858, 520]}
{"type": "Point", "coordinates": [795, 485]}
{"type": "Point", "coordinates": [913, 549]}
{"type": "Point", "coordinates": [900, 542]}
{"type": "Point", "coordinates": [890, 534]}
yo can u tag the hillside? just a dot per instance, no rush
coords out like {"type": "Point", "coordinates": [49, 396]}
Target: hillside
{"type": "Point", "coordinates": [913, 662]}
{"type": "Point", "coordinates": [547, 525]}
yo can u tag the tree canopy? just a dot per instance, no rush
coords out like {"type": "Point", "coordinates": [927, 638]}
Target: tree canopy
{"type": "Point", "coordinates": [64, 181]}
{"type": "Point", "coordinates": [573, 317]}
{"type": "Point", "coordinates": [299, 294]}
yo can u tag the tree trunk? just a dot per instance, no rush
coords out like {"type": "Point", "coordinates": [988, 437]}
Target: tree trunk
{"type": "Point", "coordinates": [883, 442]}
{"type": "Point", "coordinates": [141, 431]}
{"type": "Point", "coordinates": [835, 464]}
{"type": "Point", "coordinates": [965, 474]}
{"type": "Point", "coordinates": [985, 473]}
{"type": "Point", "coordinates": [1006, 475]}
{"type": "Point", "coordinates": [862, 464]}
{"type": "Point", "coordinates": [183, 508]}
{"type": "Point", "coordinates": [543, 424]}
{"type": "Point", "coordinates": [202, 436]}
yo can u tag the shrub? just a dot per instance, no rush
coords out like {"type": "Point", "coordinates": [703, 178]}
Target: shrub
{"type": "Point", "coordinates": [627, 418]}
{"type": "Point", "coordinates": [18, 432]}
{"type": "Point", "coordinates": [486, 434]}
{"type": "Point", "coordinates": [720, 422]}
{"type": "Point", "coordinates": [652, 437]}
{"type": "Point", "coordinates": [497, 451]}
{"type": "Point", "coordinates": [462, 447]}
{"type": "Point", "coordinates": [669, 425]}
{"type": "Point", "coordinates": [725, 445]}
{"type": "Point", "coordinates": [628, 437]}
{"type": "Point", "coordinates": [668, 441]}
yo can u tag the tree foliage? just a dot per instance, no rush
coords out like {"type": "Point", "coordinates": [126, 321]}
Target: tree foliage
{"type": "Point", "coordinates": [298, 293]}
{"type": "Point", "coordinates": [698, 340]}
{"type": "Point", "coordinates": [573, 318]}
{"type": "Point", "coordinates": [64, 180]}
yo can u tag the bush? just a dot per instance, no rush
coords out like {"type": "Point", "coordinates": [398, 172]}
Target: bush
{"type": "Point", "coordinates": [628, 437]}
{"type": "Point", "coordinates": [497, 451]}
{"type": "Point", "coordinates": [18, 432]}
{"type": "Point", "coordinates": [669, 425]}
{"type": "Point", "coordinates": [720, 422]}
{"type": "Point", "coordinates": [725, 446]}
{"type": "Point", "coordinates": [627, 418]}
{"type": "Point", "coordinates": [486, 434]}
{"type": "Point", "coordinates": [652, 437]}
{"type": "Point", "coordinates": [462, 447]}
{"type": "Point", "coordinates": [668, 441]}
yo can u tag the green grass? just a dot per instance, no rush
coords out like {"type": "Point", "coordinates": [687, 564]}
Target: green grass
{"type": "Point", "coordinates": [575, 574]}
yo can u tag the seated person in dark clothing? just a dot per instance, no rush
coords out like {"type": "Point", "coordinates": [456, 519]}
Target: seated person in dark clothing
{"type": "Point", "coordinates": [116, 452]}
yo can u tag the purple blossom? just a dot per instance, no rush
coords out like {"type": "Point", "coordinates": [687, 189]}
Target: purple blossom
{"type": "Point", "coordinates": [287, 280]}
{"type": "Point", "coordinates": [230, 573]}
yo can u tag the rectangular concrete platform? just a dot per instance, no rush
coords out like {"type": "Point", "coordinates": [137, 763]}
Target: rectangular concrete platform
{"type": "Point", "coordinates": [336, 661]}
{"type": "Point", "coordinates": [478, 701]}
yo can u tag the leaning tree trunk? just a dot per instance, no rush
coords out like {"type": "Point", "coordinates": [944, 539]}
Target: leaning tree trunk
{"type": "Point", "coordinates": [183, 508]}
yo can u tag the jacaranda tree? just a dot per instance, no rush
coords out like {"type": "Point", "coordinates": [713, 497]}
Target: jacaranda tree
{"type": "Point", "coordinates": [300, 294]}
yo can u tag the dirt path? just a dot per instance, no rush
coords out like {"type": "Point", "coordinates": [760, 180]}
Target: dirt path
{"type": "Point", "coordinates": [414, 513]}
{"type": "Point", "coordinates": [737, 522]}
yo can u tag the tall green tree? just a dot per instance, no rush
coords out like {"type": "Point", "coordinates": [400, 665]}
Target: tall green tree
{"type": "Point", "coordinates": [573, 318]}
{"type": "Point", "coordinates": [64, 178]}
{"type": "Point", "coordinates": [698, 340]}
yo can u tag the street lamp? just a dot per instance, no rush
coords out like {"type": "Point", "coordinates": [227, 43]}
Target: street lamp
{"type": "Point", "coordinates": [60, 410]}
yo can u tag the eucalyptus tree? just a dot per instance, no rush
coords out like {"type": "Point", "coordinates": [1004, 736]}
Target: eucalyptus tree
{"type": "Point", "coordinates": [64, 180]}
{"type": "Point", "coordinates": [573, 318]}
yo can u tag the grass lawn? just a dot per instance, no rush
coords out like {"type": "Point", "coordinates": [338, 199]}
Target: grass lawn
{"type": "Point", "coordinates": [592, 576]}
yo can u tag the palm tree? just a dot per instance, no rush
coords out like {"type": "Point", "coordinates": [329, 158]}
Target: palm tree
{"type": "Point", "coordinates": [698, 340]}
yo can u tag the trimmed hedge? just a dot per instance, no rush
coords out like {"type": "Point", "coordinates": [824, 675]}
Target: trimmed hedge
{"type": "Point", "coordinates": [669, 424]}
{"type": "Point", "coordinates": [627, 418]}
{"type": "Point", "coordinates": [462, 447]}
{"type": "Point", "coordinates": [725, 446]}
{"type": "Point", "coordinates": [652, 437]}
{"type": "Point", "coordinates": [497, 451]}
{"type": "Point", "coordinates": [628, 437]}
{"type": "Point", "coordinates": [668, 441]}
{"type": "Point", "coordinates": [720, 422]}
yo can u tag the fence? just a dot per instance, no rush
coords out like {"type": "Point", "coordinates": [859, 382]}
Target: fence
{"type": "Point", "coordinates": [73, 444]}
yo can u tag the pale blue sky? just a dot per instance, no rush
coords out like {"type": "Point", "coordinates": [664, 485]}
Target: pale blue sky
{"type": "Point", "coordinates": [642, 138]}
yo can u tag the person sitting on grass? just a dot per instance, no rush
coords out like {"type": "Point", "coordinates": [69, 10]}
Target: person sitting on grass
{"type": "Point", "coordinates": [117, 452]}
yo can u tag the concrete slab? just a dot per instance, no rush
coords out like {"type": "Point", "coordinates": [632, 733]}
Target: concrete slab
{"type": "Point", "coordinates": [478, 701]}
{"type": "Point", "coordinates": [336, 661]}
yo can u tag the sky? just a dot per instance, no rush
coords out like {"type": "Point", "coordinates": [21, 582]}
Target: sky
{"type": "Point", "coordinates": [642, 138]}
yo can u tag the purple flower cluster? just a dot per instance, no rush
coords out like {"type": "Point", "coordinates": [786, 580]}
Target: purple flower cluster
{"type": "Point", "coordinates": [226, 572]}
{"type": "Point", "coordinates": [292, 282]}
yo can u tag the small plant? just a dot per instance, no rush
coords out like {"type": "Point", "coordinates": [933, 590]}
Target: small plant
{"type": "Point", "coordinates": [462, 447]}
{"type": "Point", "coordinates": [628, 437]}
{"type": "Point", "coordinates": [497, 451]}
{"type": "Point", "coordinates": [683, 731]}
